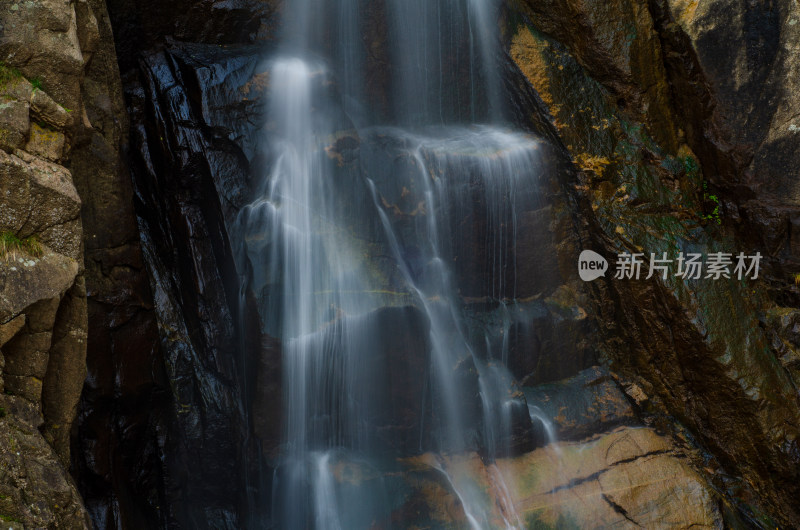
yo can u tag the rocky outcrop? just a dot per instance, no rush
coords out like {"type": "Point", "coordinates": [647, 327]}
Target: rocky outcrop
{"type": "Point", "coordinates": [670, 129]}
{"type": "Point", "coordinates": [42, 285]}
{"type": "Point", "coordinates": [628, 478]}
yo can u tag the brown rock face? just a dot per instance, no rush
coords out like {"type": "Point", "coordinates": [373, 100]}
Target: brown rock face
{"type": "Point", "coordinates": [678, 117]}
{"type": "Point", "coordinates": [626, 478]}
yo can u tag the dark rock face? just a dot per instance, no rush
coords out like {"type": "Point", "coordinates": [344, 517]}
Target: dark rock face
{"type": "Point", "coordinates": [163, 421]}
{"type": "Point", "coordinates": [115, 452]}
{"type": "Point", "coordinates": [181, 175]}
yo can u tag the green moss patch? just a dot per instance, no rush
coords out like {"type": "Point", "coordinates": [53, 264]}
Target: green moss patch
{"type": "Point", "coordinates": [8, 74]}
{"type": "Point", "coordinates": [10, 244]}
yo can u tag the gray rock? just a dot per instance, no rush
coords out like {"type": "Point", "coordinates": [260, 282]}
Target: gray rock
{"type": "Point", "coordinates": [14, 124]}
{"type": "Point", "coordinates": [46, 143]}
{"type": "Point", "coordinates": [35, 490]}
{"type": "Point", "coordinates": [45, 109]}
{"type": "Point", "coordinates": [37, 197]}
{"type": "Point", "coordinates": [28, 280]}
{"type": "Point", "coordinates": [41, 39]}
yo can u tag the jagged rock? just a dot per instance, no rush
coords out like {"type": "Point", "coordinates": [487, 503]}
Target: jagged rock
{"type": "Point", "coordinates": [44, 109]}
{"type": "Point", "coordinates": [41, 287]}
{"type": "Point", "coordinates": [41, 39]}
{"type": "Point", "coordinates": [38, 197]}
{"type": "Point", "coordinates": [634, 187]}
{"type": "Point", "coordinates": [27, 280]}
{"type": "Point", "coordinates": [35, 490]}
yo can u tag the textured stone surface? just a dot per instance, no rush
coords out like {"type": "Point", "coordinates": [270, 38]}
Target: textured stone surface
{"type": "Point", "coordinates": [45, 143]}
{"type": "Point", "coordinates": [38, 197]}
{"type": "Point", "coordinates": [747, 54]}
{"type": "Point", "coordinates": [624, 479]}
{"type": "Point", "coordinates": [646, 189]}
{"type": "Point", "coordinates": [66, 370]}
{"type": "Point", "coordinates": [40, 38]}
{"type": "Point", "coordinates": [14, 124]}
{"type": "Point", "coordinates": [35, 490]}
{"type": "Point", "coordinates": [26, 280]}
{"type": "Point", "coordinates": [41, 288]}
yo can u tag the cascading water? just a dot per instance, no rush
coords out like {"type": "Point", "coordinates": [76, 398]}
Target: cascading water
{"type": "Point", "coordinates": [365, 242]}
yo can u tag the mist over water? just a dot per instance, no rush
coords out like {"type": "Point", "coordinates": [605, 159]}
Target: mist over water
{"type": "Point", "coordinates": [369, 229]}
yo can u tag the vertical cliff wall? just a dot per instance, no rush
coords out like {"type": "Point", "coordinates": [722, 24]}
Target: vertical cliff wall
{"type": "Point", "coordinates": [680, 117]}
{"type": "Point", "coordinates": [44, 49]}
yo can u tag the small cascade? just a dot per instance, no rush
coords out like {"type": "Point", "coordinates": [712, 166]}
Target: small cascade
{"type": "Point", "coordinates": [364, 241]}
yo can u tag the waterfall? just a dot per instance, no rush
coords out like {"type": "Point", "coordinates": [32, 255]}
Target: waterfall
{"type": "Point", "coordinates": [372, 226]}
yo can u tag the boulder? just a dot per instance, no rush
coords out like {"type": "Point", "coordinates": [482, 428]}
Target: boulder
{"type": "Point", "coordinates": [38, 197]}
{"type": "Point", "coordinates": [46, 110]}
{"type": "Point", "coordinates": [45, 143]}
{"type": "Point", "coordinates": [41, 39]}
{"type": "Point", "coordinates": [27, 280]}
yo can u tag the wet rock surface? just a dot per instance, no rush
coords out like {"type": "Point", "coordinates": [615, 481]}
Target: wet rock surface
{"type": "Point", "coordinates": [589, 403]}
{"type": "Point", "coordinates": [626, 478]}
